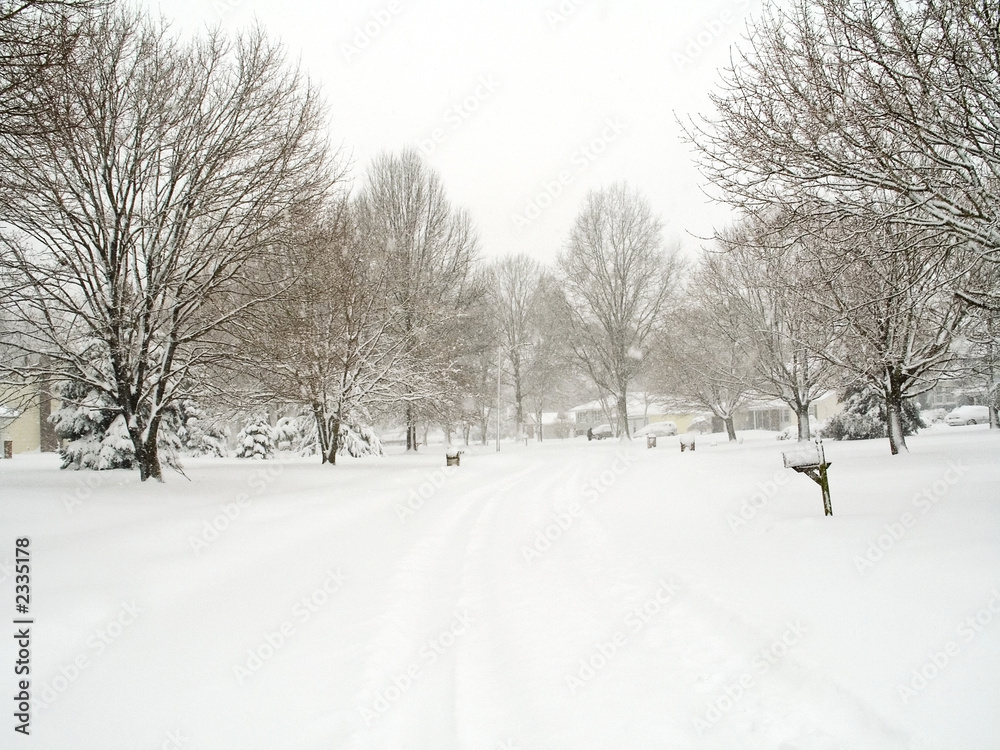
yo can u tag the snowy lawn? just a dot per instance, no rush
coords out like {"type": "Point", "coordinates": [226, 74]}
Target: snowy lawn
{"type": "Point", "coordinates": [565, 595]}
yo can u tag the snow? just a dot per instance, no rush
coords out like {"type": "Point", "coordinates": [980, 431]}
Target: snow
{"type": "Point", "coordinates": [564, 595]}
{"type": "Point", "coordinates": [804, 454]}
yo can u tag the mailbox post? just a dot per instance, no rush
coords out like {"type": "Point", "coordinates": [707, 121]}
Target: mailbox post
{"type": "Point", "coordinates": [810, 459]}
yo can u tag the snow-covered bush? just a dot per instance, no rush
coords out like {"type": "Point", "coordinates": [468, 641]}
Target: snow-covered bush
{"type": "Point", "coordinates": [197, 433]}
{"type": "Point", "coordinates": [359, 440]}
{"type": "Point", "coordinates": [297, 434]}
{"type": "Point", "coordinates": [865, 417]}
{"type": "Point", "coordinates": [96, 434]}
{"type": "Point", "coordinates": [256, 440]}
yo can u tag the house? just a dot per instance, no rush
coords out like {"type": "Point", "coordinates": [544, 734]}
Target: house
{"type": "Point", "coordinates": [555, 425]}
{"type": "Point", "coordinates": [776, 415]}
{"type": "Point", "coordinates": [643, 409]}
{"type": "Point", "coordinates": [24, 420]}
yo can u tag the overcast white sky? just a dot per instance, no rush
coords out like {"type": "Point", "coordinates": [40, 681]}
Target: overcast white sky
{"type": "Point", "coordinates": [523, 106]}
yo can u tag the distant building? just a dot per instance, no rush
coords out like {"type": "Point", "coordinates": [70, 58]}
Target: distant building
{"type": "Point", "coordinates": [643, 409]}
{"type": "Point", "coordinates": [776, 415]}
{"type": "Point", "coordinates": [556, 425]}
{"type": "Point", "coordinates": [24, 419]}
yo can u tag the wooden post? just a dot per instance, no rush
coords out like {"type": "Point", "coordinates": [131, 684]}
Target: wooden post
{"type": "Point", "coordinates": [813, 464]}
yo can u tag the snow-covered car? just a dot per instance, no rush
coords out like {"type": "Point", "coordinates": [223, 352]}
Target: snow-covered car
{"type": "Point", "coordinates": [968, 415]}
{"type": "Point", "coordinates": [600, 432]}
{"type": "Point", "coordinates": [657, 429]}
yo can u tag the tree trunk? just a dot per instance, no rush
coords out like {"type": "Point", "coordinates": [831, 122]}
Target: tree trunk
{"type": "Point", "coordinates": [894, 411]}
{"type": "Point", "coordinates": [624, 432]}
{"type": "Point", "coordinates": [331, 457]}
{"type": "Point", "coordinates": [538, 425]}
{"type": "Point", "coordinates": [730, 427]}
{"type": "Point", "coordinates": [519, 407]}
{"type": "Point", "coordinates": [994, 417]}
{"type": "Point", "coordinates": [321, 431]}
{"type": "Point", "coordinates": [411, 428]}
{"type": "Point", "coordinates": [802, 414]}
{"type": "Point", "coordinates": [147, 453]}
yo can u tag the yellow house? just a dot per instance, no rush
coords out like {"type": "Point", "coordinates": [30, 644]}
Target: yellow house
{"type": "Point", "coordinates": [24, 420]}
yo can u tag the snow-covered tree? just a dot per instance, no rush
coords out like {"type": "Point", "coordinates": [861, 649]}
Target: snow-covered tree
{"type": "Point", "coordinates": [885, 293]}
{"type": "Point", "coordinates": [432, 248]}
{"type": "Point", "coordinates": [256, 439]}
{"type": "Point", "coordinates": [865, 106]}
{"type": "Point", "coordinates": [702, 359]}
{"type": "Point", "coordinates": [95, 433]}
{"type": "Point", "coordinates": [865, 417]}
{"type": "Point", "coordinates": [141, 203]}
{"type": "Point", "coordinates": [617, 279]}
{"type": "Point", "coordinates": [758, 269]}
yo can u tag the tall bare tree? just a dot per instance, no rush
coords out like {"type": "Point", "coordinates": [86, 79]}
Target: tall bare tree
{"type": "Point", "coordinates": [618, 279]}
{"type": "Point", "coordinates": [327, 341]}
{"type": "Point", "coordinates": [36, 38]}
{"type": "Point", "coordinates": [433, 248]}
{"type": "Point", "coordinates": [759, 270]}
{"type": "Point", "coordinates": [865, 105]}
{"type": "Point", "coordinates": [706, 358]}
{"type": "Point", "coordinates": [145, 202]}
{"type": "Point", "coordinates": [885, 292]}
{"type": "Point", "coordinates": [513, 285]}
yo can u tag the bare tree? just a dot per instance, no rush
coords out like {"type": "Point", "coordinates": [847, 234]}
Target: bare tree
{"type": "Point", "coordinates": [327, 341]}
{"type": "Point", "coordinates": [759, 271]}
{"type": "Point", "coordinates": [865, 106]}
{"type": "Point", "coordinates": [884, 291]}
{"type": "Point", "coordinates": [145, 202]}
{"type": "Point", "coordinates": [433, 248]}
{"type": "Point", "coordinates": [706, 357]}
{"type": "Point", "coordinates": [617, 279]}
{"type": "Point", "coordinates": [513, 284]}
{"type": "Point", "coordinates": [551, 373]}
{"type": "Point", "coordinates": [36, 37]}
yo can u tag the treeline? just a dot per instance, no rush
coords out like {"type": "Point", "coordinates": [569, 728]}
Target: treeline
{"type": "Point", "coordinates": [179, 231]}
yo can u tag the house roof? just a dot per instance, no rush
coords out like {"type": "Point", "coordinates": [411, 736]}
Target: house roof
{"type": "Point", "coordinates": [639, 404]}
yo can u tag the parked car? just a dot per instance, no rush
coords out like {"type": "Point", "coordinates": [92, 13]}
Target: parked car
{"type": "Point", "coordinates": [600, 432]}
{"type": "Point", "coordinates": [968, 415]}
{"type": "Point", "coordinates": [657, 429]}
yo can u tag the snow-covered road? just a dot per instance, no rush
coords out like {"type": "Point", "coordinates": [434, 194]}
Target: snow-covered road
{"type": "Point", "coordinates": [569, 595]}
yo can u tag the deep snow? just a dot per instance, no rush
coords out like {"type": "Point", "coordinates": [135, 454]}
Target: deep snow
{"type": "Point", "coordinates": [563, 595]}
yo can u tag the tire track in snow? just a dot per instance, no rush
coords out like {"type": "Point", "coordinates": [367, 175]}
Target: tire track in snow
{"type": "Point", "coordinates": [424, 592]}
